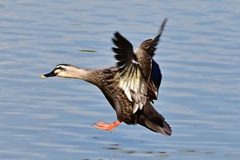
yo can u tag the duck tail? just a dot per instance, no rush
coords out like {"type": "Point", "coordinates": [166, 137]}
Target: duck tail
{"type": "Point", "coordinates": [151, 119]}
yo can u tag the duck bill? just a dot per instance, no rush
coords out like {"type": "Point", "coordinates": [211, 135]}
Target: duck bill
{"type": "Point", "coordinates": [51, 74]}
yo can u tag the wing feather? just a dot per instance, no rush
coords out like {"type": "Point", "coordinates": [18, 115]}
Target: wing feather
{"type": "Point", "coordinates": [139, 75]}
{"type": "Point", "coordinates": [130, 75]}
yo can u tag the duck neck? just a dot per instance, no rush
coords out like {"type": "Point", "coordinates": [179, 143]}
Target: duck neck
{"type": "Point", "coordinates": [79, 73]}
{"type": "Point", "coordinates": [84, 74]}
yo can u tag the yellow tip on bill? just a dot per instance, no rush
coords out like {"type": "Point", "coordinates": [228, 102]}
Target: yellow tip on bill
{"type": "Point", "coordinates": [42, 76]}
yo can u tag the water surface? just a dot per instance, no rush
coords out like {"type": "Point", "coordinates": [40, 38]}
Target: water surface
{"type": "Point", "coordinates": [52, 118]}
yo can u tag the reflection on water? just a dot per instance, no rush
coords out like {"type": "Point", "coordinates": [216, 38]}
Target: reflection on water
{"type": "Point", "coordinates": [157, 154]}
{"type": "Point", "coordinates": [52, 118]}
{"type": "Point", "coordinates": [85, 50]}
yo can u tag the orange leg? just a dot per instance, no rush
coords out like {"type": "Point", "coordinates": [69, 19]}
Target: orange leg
{"type": "Point", "coordinates": [104, 126]}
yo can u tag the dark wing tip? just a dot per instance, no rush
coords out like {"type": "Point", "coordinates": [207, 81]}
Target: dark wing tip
{"type": "Point", "coordinates": [121, 42]}
{"type": "Point", "coordinates": [123, 50]}
{"type": "Point", "coordinates": [151, 44]}
{"type": "Point", "coordinates": [117, 34]}
{"type": "Point", "coordinates": [162, 27]}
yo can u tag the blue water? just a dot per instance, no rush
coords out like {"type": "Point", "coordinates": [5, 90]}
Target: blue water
{"type": "Point", "coordinates": [50, 119]}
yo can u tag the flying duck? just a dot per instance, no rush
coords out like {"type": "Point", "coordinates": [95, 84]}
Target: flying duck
{"type": "Point", "coordinates": [130, 87]}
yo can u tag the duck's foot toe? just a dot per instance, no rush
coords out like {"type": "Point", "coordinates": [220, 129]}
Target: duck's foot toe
{"type": "Point", "coordinates": [104, 126]}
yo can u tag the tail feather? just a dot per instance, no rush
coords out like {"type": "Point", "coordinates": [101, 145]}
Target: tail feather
{"type": "Point", "coordinates": [151, 119]}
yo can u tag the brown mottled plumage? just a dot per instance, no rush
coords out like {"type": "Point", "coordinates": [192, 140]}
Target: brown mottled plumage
{"type": "Point", "coordinates": [129, 87]}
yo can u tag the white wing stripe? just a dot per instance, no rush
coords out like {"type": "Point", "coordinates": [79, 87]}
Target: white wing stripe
{"type": "Point", "coordinates": [134, 85]}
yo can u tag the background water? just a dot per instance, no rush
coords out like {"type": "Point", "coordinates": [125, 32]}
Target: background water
{"type": "Point", "coordinates": [45, 119]}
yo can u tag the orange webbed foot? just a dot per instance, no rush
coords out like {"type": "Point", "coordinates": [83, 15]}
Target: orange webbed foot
{"type": "Point", "coordinates": [104, 126]}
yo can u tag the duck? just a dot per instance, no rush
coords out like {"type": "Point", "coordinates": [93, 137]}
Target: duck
{"type": "Point", "coordinates": [131, 86]}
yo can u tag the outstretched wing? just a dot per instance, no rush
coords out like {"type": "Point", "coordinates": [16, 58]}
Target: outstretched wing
{"type": "Point", "coordinates": [130, 75]}
{"type": "Point", "coordinates": [139, 75]}
{"type": "Point", "coordinates": [150, 45]}
{"type": "Point", "coordinates": [154, 73]}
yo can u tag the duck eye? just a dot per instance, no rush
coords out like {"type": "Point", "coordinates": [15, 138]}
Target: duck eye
{"type": "Point", "coordinates": [59, 69]}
